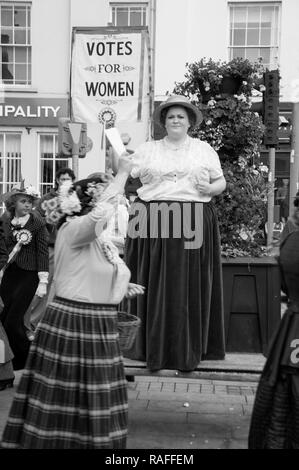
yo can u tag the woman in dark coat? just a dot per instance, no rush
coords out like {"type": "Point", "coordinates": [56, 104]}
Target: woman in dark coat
{"type": "Point", "coordinates": [27, 272]}
{"type": "Point", "coordinates": [275, 416]}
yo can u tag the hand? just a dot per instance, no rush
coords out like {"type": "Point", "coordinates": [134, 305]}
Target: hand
{"type": "Point", "coordinates": [146, 176]}
{"type": "Point", "coordinates": [204, 188]}
{"type": "Point", "coordinates": [134, 290]}
{"type": "Point", "coordinates": [41, 289]}
{"type": "Point", "coordinates": [125, 163]}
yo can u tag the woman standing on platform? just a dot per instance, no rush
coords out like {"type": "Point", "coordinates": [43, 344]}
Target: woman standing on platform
{"type": "Point", "coordinates": [182, 312]}
{"type": "Point", "coordinates": [73, 391]}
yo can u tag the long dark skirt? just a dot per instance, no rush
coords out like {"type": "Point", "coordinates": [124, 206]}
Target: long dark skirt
{"type": "Point", "coordinates": [275, 416]}
{"type": "Point", "coordinates": [73, 391]}
{"type": "Point", "coordinates": [17, 289]}
{"type": "Point", "coordinates": [182, 320]}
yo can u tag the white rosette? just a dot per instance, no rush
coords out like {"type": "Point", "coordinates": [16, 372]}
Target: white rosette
{"type": "Point", "coordinates": [23, 237]}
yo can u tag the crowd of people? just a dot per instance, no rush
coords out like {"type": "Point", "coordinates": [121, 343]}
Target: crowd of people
{"type": "Point", "coordinates": [71, 259]}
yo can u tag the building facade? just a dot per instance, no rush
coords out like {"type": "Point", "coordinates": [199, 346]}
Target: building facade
{"type": "Point", "coordinates": [35, 54]}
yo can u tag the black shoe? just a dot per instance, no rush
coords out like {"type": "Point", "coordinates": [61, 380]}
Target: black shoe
{"type": "Point", "coordinates": [6, 384]}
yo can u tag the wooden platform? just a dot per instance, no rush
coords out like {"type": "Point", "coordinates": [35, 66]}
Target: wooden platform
{"type": "Point", "coordinates": [235, 367]}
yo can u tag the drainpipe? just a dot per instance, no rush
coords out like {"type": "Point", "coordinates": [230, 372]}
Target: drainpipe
{"type": "Point", "coordinates": [153, 13]}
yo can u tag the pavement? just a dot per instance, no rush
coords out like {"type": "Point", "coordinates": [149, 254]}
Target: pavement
{"type": "Point", "coordinates": [172, 412]}
{"type": "Point", "coordinates": [167, 413]}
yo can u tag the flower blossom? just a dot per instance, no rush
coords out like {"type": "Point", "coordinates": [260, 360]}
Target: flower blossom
{"type": "Point", "coordinates": [211, 103]}
{"type": "Point", "coordinates": [70, 204]}
{"type": "Point", "coordinates": [31, 191]}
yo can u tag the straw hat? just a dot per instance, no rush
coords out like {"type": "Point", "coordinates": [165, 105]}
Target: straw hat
{"type": "Point", "coordinates": [178, 100]}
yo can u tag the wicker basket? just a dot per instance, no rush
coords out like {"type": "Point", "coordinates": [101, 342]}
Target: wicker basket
{"type": "Point", "coordinates": [127, 325]}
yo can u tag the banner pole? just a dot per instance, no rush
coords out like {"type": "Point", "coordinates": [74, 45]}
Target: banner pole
{"type": "Point", "coordinates": [75, 165]}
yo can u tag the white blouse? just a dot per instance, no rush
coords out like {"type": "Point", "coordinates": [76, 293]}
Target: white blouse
{"type": "Point", "coordinates": [172, 173]}
{"type": "Point", "coordinates": [82, 271]}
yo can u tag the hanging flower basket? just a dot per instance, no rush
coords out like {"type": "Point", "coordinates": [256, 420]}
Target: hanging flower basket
{"type": "Point", "coordinates": [230, 85]}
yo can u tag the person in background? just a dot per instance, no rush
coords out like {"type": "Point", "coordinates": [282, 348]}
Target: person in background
{"type": "Point", "coordinates": [6, 354]}
{"type": "Point", "coordinates": [38, 306]}
{"type": "Point", "coordinates": [283, 199]}
{"type": "Point", "coordinates": [291, 224]}
{"type": "Point", "coordinates": [73, 392]}
{"type": "Point", "coordinates": [27, 273]}
{"type": "Point", "coordinates": [173, 245]}
{"type": "Point", "coordinates": [275, 415]}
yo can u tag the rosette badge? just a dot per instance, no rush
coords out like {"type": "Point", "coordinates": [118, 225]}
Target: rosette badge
{"type": "Point", "coordinates": [23, 237]}
{"type": "Point", "coordinates": [107, 118]}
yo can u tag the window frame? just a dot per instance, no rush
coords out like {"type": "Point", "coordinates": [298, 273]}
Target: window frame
{"type": "Point", "coordinates": [14, 48]}
{"type": "Point", "coordinates": [45, 187]}
{"type": "Point", "coordinates": [273, 46]}
{"type": "Point", "coordinates": [5, 184]}
{"type": "Point", "coordinates": [130, 6]}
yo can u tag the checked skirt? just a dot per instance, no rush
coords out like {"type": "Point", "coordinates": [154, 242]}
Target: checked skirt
{"type": "Point", "coordinates": [73, 391]}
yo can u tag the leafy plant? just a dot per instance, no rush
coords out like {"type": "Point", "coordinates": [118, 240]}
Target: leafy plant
{"type": "Point", "coordinates": [235, 132]}
{"type": "Point", "coordinates": [205, 77]}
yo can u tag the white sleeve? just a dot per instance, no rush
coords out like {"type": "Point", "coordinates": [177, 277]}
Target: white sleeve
{"type": "Point", "coordinates": [83, 230]}
{"type": "Point", "coordinates": [214, 163]}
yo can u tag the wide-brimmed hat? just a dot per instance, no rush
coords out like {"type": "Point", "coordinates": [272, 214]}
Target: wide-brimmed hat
{"type": "Point", "coordinates": [28, 191]}
{"type": "Point", "coordinates": [178, 100]}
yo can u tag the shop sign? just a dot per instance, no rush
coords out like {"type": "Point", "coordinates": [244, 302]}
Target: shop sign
{"type": "Point", "coordinates": [32, 111]}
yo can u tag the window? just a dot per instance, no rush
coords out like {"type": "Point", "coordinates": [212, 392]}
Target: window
{"type": "Point", "coordinates": [128, 14]}
{"type": "Point", "coordinates": [10, 161]}
{"type": "Point", "coordinates": [15, 43]}
{"type": "Point", "coordinates": [254, 32]}
{"type": "Point", "coordinates": [50, 163]}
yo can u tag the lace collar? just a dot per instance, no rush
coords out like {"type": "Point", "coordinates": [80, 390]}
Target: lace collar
{"type": "Point", "coordinates": [184, 145]}
{"type": "Point", "coordinates": [20, 221]}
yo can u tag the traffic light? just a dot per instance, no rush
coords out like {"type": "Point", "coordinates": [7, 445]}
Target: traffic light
{"type": "Point", "coordinates": [271, 107]}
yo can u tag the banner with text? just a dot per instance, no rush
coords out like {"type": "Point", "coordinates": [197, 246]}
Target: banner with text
{"type": "Point", "coordinates": [110, 87]}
